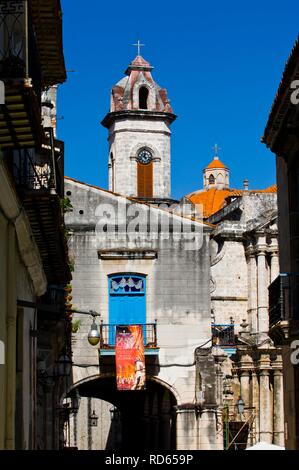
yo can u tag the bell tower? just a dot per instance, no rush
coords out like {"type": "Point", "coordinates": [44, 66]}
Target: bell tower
{"type": "Point", "coordinates": [139, 135]}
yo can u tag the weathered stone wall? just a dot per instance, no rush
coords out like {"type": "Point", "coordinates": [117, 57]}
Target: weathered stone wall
{"type": "Point", "coordinates": [229, 284]}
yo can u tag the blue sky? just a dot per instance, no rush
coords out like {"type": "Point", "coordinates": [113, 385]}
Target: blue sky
{"type": "Point", "coordinates": [220, 61]}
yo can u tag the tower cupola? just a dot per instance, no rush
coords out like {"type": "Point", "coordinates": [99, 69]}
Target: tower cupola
{"type": "Point", "coordinates": [216, 174]}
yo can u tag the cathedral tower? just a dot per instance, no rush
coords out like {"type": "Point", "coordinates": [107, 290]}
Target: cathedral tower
{"type": "Point", "coordinates": [139, 135]}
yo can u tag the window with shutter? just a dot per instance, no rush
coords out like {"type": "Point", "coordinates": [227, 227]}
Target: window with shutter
{"type": "Point", "coordinates": [145, 180]}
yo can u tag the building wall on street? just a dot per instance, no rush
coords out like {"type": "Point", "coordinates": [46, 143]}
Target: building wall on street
{"type": "Point", "coordinates": [19, 281]}
{"type": "Point", "coordinates": [178, 295]}
{"type": "Point", "coordinates": [177, 289]}
{"type": "Point", "coordinates": [17, 418]}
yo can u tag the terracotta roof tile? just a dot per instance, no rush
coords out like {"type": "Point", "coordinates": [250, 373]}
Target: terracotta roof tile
{"type": "Point", "coordinates": [213, 200]}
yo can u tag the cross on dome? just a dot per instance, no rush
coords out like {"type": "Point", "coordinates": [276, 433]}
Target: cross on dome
{"type": "Point", "coordinates": [216, 149]}
{"type": "Point", "coordinates": [138, 45]}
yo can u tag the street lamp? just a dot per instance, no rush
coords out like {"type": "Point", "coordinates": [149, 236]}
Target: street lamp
{"type": "Point", "coordinates": [93, 419]}
{"type": "Point", "coordinates": [63, 366]}
{"type": "Point", "coordinates": [94, 334]}
{"type": "Point", "coordinates": [240, 406]}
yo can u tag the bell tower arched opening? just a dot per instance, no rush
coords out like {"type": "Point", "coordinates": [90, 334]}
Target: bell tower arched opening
{"type": "Point", "coordinates": [143, 97]}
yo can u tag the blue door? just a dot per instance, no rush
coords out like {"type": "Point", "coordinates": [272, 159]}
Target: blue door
{"type": "Point", "coordinates": [126, 302]}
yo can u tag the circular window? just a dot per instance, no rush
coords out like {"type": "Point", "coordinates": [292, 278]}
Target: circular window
{"type": "Point", "coordinates": [69, 193]}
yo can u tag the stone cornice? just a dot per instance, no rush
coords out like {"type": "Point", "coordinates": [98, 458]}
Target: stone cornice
{"type": "Point", "coordinates": [137, 114]}
{"type": "Point", "coordinates": [139, 131]}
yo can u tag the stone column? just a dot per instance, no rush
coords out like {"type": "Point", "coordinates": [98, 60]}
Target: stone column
{"type": "Point", "coordinates": [245, 366]}
{"type": "Point", "coordinates": [244, 370]}
{"type": "Point", "coordinates": [208, 429]}
{"type": "Point", "coordinates": [252, 290]}
{"type": "Point", "coordinates": [255, 405]}
{"type": "Point", "coordinates": [244, 383]}
{"type": "Point", "coordinates": [262, 283]}
{"type": "Point", "coordinates": [278, 408]}
{"type": "Point", "coordinates": [187, 432]}
{"type": "Point", "coordinates": [274, 265]}
{"type": "Point", "coordinates": [265, 400]}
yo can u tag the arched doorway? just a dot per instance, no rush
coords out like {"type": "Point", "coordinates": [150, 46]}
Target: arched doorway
{"type": "Point", "coordinates": [144, 420]}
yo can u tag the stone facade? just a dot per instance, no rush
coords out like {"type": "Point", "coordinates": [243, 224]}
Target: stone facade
{"type": "Point", "coordinates": [251, 242]}
{"type": "Point", "coordinates": [244, 246]}
{"type": "Point", "coordinates": [177, 300]}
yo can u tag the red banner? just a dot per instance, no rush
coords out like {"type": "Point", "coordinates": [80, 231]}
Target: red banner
{"type": "Point", "coordinates": [129, 357]}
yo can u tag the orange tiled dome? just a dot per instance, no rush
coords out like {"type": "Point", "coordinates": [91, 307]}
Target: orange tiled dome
{"type": "Point", "coordinates": [216, 163]}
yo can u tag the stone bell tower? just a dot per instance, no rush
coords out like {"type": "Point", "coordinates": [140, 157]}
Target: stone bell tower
{"type": "Point", "coordinates": [139, 135]}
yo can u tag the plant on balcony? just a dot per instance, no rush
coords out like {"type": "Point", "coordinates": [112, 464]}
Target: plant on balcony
{"type": "Point", "coordinates": [76, 325]}
{"type": "Point", "coordinates": [66, 205]}
{"type": "Point", "coordinates": [71, 264]}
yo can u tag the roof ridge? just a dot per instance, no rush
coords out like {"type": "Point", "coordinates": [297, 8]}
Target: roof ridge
{"type": "Point", "coordinates": [193, 219]}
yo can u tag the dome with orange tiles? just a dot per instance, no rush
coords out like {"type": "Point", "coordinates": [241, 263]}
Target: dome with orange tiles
{"type": "Point", "coordinates": [211, 200]}
{"type": "Point", "coordinates": [216, 163]}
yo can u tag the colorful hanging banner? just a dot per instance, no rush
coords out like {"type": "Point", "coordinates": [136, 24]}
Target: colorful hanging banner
{"type": "Point", "coordinates": [129, 357]}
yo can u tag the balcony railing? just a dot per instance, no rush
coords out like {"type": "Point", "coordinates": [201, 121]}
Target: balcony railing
{"type": "Point", "coordinates": [283, 298]}
{"type": "Point", "coordinates": [223, 335]}
{"type": "Point", "coordinates": [31, 42]}
{"type": "Point", "coordinates": [31, 59]}
{"type": "Point", "coordinates": [108, 332]}
{"type": "Point", "coordinates": [43, 171]}
{"type": "Point", "coordinates": [19, 57]}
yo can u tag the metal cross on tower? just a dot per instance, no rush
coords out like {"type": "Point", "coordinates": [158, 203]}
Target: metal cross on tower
{"type": "Point", "coordinates": [138, 45]}
{"type": "Point", "coordinates": [216, 149]}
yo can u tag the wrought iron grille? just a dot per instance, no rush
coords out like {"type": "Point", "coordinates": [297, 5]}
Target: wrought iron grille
{"type": "Point", "coordinates": [223, 335]}
{"type": "Point", "coordinates": [32, 171]}
{"type": "Point", "coordinates": [107, 332]}
{"type": "Point", "coordinates": [40, 171]}
{"type": "Point", "coordinates": [13, 38]}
